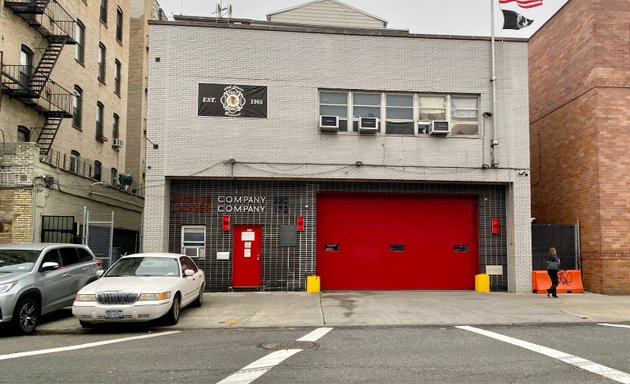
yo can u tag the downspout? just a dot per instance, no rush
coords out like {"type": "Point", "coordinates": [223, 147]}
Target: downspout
{"type": "Point", "coordinates": [493, 141]}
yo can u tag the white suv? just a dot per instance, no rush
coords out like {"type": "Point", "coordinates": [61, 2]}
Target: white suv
{"type": "Point", "coordinates": [39, 278]}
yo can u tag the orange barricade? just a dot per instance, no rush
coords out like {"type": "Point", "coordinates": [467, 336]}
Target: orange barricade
{"type": "Point", "coordinates": [570, 281]}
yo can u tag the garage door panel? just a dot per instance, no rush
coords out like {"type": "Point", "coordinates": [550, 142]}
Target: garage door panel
{"type": "Point", "coordinates": [397, 242]}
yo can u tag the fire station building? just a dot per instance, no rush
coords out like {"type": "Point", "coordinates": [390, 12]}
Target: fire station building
{"type": "Point", "coordinates": [372, 158]}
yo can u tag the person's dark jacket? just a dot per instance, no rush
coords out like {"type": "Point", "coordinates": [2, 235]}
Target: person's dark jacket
{"type": "Point", "coordinates": [553, 262]}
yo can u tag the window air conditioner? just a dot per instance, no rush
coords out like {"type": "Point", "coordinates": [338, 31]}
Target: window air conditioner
{"type": "Point", "coordinates": [328, 123]}
{"type": "Point", "coordinates": [368, 124]}
{"type": "Point", "coordinates": [199, 252]}
{"type": "Point", "coordinates": [439, 127]}
{"type": "Point", "coordinates": [117, 143]}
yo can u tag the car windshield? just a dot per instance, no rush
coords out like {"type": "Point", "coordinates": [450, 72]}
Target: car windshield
{"type": "Point", "coordinates": [144, 266]}
{"type": "Point", "coordinates": [17, 260]}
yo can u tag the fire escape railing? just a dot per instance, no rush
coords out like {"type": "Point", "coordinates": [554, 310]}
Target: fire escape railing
{"type": "Point", "coordinates": [33, 86]}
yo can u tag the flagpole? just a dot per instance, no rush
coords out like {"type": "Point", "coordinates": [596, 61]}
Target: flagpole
{"type": "Point", "coordinates": [493, 141]}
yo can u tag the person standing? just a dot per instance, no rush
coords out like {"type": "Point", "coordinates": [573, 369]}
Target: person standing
{"type": "Point", "coordinates": [553, 265]}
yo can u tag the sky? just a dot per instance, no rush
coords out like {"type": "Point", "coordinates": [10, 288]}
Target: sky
{"type": "Point", "coordinates": [435, 17]}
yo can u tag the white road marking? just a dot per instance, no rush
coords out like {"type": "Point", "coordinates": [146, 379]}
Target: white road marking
{"type": "Point", "coordinates": [263, 365]}
{"type": "Point", "coordinates": [587, 365]}
{"type": "Point", "coordinates": [315, 335]}
{"type": "Point", "coordinates": [614, 325]}
{"type": "Point", "coordinates": [259, 367]}
{"type": "Point", "coordinates": [81, 346]}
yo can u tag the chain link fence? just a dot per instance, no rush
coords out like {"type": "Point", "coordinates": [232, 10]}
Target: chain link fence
{"type": "Point", "coordinates": [565, 238]}
{"type": "Point", "coordinates": [98, 234]}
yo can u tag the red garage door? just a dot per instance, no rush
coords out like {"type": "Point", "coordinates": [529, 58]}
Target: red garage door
{"type": "Point", "coordinates": [390, 241]}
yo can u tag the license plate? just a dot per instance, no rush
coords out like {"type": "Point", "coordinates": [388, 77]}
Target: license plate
{"type": "Point", "coordinates": [113, 314]}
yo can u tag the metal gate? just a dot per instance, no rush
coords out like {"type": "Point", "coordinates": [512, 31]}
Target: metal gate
{"type": "Point", "coordinates": [564, 237]}
{"type": "Point", "coordinates": [59, 229]}
{"type": "Point", "coordinates": [98, 234]}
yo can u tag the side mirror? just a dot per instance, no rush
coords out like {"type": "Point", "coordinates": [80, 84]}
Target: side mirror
{"type": "Point", "coordinates": [100, 273]}
{"type": "Point", "coordinates": [49, 266]}
{"type": "Point", "coordinates": [188, 272]}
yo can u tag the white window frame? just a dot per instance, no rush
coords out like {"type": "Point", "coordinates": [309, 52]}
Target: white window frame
{"type": "Point", "coordinates": [198, 247]}
{"type": "Point", "coordinates": [417, 121]}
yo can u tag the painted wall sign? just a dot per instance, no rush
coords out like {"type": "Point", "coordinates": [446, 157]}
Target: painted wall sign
{"type": "Point", "coordinates": [232, 100]}
{"type": "Point", "coordinates": [191, 203]}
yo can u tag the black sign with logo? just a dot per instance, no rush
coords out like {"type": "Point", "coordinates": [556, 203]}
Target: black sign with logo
{"type": "Point", "coordinates": [232, 100]}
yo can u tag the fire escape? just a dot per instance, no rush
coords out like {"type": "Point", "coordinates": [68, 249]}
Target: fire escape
{"type": "Point", "coordinates": [32, 85]}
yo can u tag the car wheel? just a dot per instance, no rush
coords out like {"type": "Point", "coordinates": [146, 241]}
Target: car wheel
{"type": "Point", "coordinates": [199, 301]}
{"type": "Point", "coordinates": [26, 315]}
{"type": "Point", "coordinates": [85, 324]}
{"type": "Point", "coordinates": [172, 317]}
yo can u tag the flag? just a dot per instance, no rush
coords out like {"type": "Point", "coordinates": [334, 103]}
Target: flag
{"type": "Point", "coordinates": [524, 3]}
{"type": "Point", "coordinates": [513, 20]}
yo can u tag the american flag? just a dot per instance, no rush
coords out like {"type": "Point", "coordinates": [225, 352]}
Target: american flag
{"type": "Point", "coordinates": [523, 3]}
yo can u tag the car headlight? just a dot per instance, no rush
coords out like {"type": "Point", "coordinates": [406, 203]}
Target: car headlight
{"type": "Point", "coordinates": [5, 287]}
{"type": "Point", "coordinates": [154, 296]}
{"type": "Point", "coordinates": [85, 297]}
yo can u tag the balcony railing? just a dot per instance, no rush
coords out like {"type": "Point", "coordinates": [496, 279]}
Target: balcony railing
{"type": "Point", "coordinates": [16, 82]}
{"type": "Point", "coordinates": [48, 17]}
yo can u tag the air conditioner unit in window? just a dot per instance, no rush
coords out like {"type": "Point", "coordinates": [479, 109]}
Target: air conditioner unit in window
{"type": "Point", "coordinates": [439, 127]}
{"type": "Point", "coordinates": [117, 143]}
{"type": "Point", "coordinates": [199, 252]}
{"type": "Point", "coordinates": [328, 123]}
{"type": "Point", "coordinates": [368, 124]}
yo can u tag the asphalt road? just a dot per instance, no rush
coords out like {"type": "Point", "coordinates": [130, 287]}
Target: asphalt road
{"type": "Point", "coordinates": [540, 353]}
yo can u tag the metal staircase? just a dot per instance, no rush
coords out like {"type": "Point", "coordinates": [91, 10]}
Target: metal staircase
{"type": "Point", "coordinates": [38, 90]}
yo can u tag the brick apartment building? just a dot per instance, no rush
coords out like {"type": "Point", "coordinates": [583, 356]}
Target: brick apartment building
{"type": "Point", "coordinates": [63, 114]}
{"type": "Point", "coordinates": [579, 122]}
{"type": "Point", "coordinates": [371, 157]}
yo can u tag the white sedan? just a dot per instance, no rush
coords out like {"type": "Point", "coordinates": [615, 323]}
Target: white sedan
{"type": "Point", "coordinates": [141, 287]}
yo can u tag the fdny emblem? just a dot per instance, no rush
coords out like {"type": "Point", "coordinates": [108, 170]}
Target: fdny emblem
{"type": "Point", "coordinates": [233, 100]}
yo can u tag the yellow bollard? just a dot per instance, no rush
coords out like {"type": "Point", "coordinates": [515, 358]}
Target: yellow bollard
{"type": "Point", "coordinates": [312, 283]}
{"type": "Point", "coordinates": [482, 282]}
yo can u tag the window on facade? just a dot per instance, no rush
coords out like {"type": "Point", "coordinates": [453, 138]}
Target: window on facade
{"type": "Point", "coordinates": [117, 69]}
{"type": "Point", "coordinates": [113, 176]}
{"type": "Point", "coordinates": [74, 161]}
{"type": "Point", "coordinates": [26, 66]}
{"type": "Point", "coordinates": [335, 104]}
{"type": "Point", "coordinates": [365, 105]}
{"type": "Point", "coordinates": [403, 113]}
{"type": "Point", "coordinates": [103, 14]}
{"type": "Point", "coordinates": [430, 107]}
{"type": "Point", "coordinates": [115, 122]}
{"type": "Point", "coordinates": [77, 107]}
{"type": "Point", "coordinates": [99, 122]}
{"type": "Point", "coordinates": [102, 52]}
{"type": "Point", "coordinates": [98, 169]}
{"type": "Point", "coordinates": [399, 114]}
{"type": "Point", "coordinates": [79, 37]}
{"type": "Point", "coordinates": [464, 115]}
{"type": "Point", "coordinates": [23, 134]}
{"type": "Point", "coordinates": [119, 25]}
{"type": "Point", "coordinates": [193, 240]}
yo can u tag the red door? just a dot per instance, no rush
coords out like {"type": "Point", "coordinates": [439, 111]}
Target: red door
{"type": "Point", "coordinates": [389, 241]}
{"type": "Point", "coordinates": [246, 256]}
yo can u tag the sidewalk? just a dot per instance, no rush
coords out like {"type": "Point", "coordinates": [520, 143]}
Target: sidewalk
{"type": "Point", "coordinates": [369, 308]}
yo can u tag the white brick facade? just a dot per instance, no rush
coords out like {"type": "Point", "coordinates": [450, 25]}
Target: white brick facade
{"type": "Point", "coordinates": [294, 65]}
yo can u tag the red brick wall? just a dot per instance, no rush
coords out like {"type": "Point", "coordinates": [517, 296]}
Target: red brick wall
{"type": "Point", "coordinates": [580, 134]}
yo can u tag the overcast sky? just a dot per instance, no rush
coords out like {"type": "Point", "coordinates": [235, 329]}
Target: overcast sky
{"type": "Point", "coordinates": [439, 17]}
